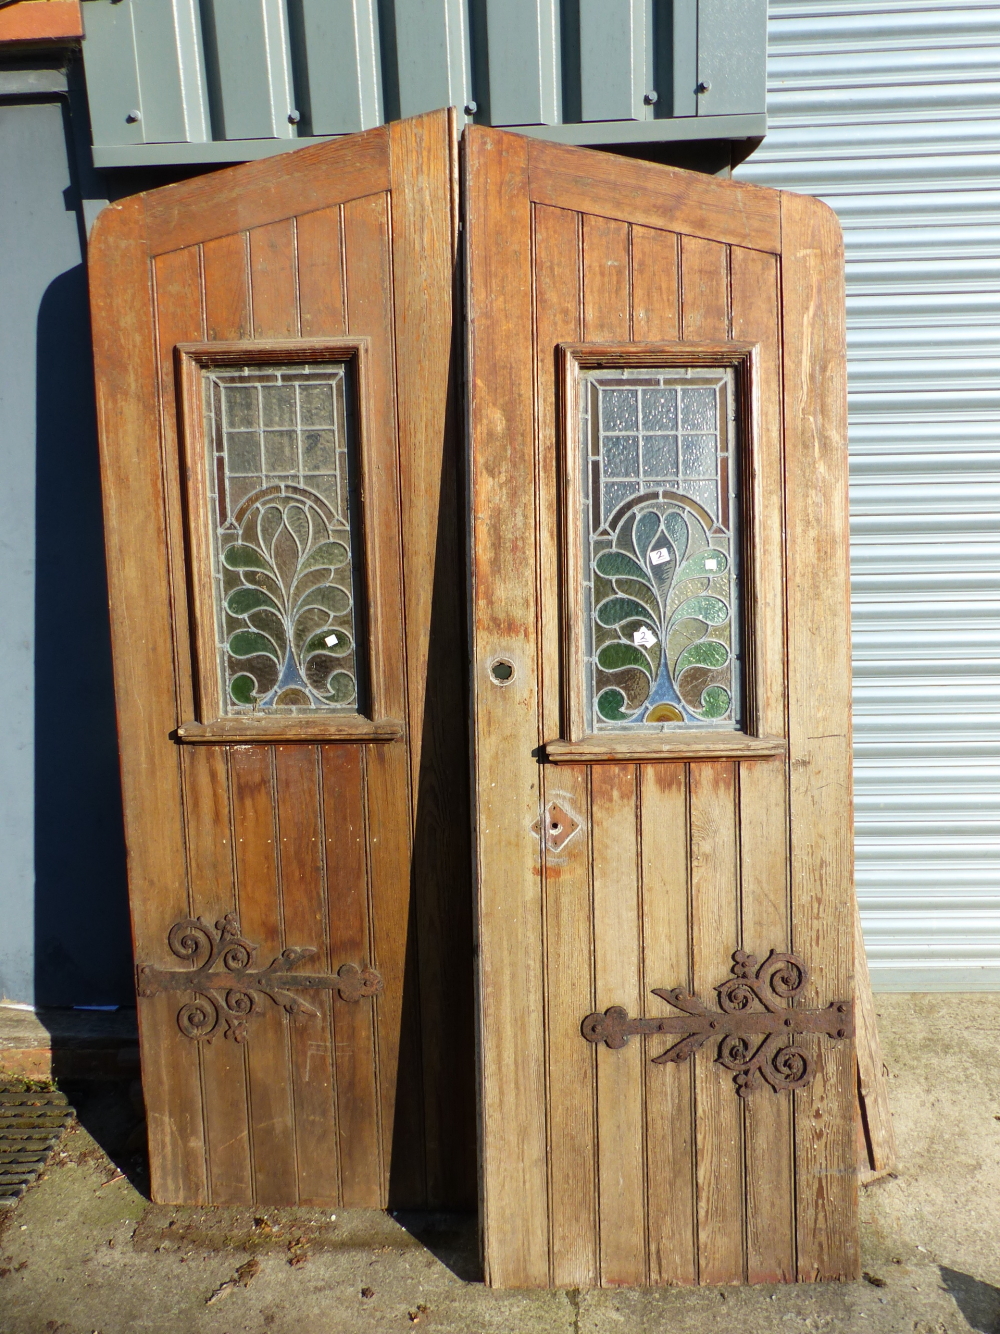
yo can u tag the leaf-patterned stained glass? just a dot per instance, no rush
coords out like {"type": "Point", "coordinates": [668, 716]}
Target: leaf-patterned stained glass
{"type": "Point", "coordinates": [281, 465]}
{"type": "Point", "coordinates": [661, 550]}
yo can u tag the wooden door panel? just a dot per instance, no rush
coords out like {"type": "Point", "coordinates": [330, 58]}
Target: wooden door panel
{"type": "Point", "coordinates": [305, 842]}
{"type": "Point", "coordinates": [657, 1173]}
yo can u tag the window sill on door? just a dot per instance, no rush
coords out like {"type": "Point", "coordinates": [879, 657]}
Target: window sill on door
{"type": "Point", "coordinates": [263, 731]}
{"type": "Point", "coordinates": [678, 746]}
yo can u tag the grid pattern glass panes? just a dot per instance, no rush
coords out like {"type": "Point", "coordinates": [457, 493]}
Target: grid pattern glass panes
{"type": "Point", "coordinates": [660, 550]}
{"type": "Point", "coordinates": [280, 478]}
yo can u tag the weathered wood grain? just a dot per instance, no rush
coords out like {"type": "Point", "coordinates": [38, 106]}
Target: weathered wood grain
{"type": "Point", "coordinates": [301, 246]}
{"type": "Point", "coordinates": [665, 197]}
{"type": "Point", "coordinates": [572, 1065]}
{"type": "Point", "coordinates": [423, 155]}
{"type": "Point", "coordinates": [300, 833]}
{"type": "Point", "coordinates": [359, 1120]}
{"type": "Point", "coordinates": [132, 477]}
{"type": "Point", "coordinates": [819, 684]}
{"type": "Point", "coordinates": [228, 202]}
{"type": "Point", "coordinates": [272, 1138]}
{"type": "Point", "coordinates": [618, 977]}
{"type": "Point", "coordinates": [505, 718]}
{"type": "Point", "coordinates": [670, 1106]}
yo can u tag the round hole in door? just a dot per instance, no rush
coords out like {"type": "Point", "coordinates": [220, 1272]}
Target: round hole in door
{"type": "Point", "coordinates": [502, 671]}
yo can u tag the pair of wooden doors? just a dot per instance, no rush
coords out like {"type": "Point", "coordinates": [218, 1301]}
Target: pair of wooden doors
{"type": "Point", "coordinates": [659, 724]}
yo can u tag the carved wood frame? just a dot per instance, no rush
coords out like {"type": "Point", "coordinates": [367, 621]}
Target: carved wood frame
{"type": "Point", "coordinates": [212, 725]}
{"type": "Point", "coordinates": [577, 745]}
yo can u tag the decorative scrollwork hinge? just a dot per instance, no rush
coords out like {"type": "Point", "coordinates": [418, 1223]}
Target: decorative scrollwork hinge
{"type": "Point", "coordinates": [775, 1059]}
{"type": "Point", "coordinates": [230, 991]}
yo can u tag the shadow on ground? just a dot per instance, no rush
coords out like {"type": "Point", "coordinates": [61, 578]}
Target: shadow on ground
{"type": "Point", "coordinates": [451, 1238]}
{"type": "Point", "coordinates": [979, 1302]}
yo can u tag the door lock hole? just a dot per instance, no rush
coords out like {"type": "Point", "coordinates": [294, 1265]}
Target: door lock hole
{"type": "Point", "coordinates": [502, 671]}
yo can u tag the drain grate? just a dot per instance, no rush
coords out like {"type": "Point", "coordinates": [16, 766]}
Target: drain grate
{"type": "Point", "coordinates": [30, 1125]}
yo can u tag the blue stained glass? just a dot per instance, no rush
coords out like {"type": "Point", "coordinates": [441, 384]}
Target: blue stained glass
{"type": "Point", "coordinates": [621, 455]}
{"type": "Point", "coordinates": [619, 410]}
{"type": "Point", "coordinates": [659, 409]}
{"type": "Point", "coordinates": [659, 457]}
{"type": "Point", "coordinates": [699, 455]}
{"type": "Point", "coordinates": [616, 492]}
{"type": "Point", "coordinates": [698, 410]}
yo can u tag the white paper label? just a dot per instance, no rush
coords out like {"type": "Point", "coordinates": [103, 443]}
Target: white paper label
{"type": "Point", "coordinates": [644, 637]}
{"type": "Point", "coordinates": [660, 555]}
{"type": "Point", "coordinates": [330, 640]}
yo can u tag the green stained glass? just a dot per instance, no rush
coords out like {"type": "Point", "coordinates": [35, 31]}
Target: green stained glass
{"type": "Point", "coordinates": [284, 526]}
{"type": "Point", "coordinates": [661, 576]}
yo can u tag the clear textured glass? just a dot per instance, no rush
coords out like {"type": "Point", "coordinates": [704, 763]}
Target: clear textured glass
{"type": "Point", "coordinates": [281, 483]}
{"type": "Point", "coordinates": [661, 577]}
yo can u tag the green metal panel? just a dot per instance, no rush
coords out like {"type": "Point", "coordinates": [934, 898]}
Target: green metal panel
{"type": "Point", "coordinates": [732, 42]}
{"type": "Point", "coordinates": [431, 45]}
{"type": "Point", "coordinates": [615, 49]}
{"type": "Point", "coordinates": [522, 40]}
{"type": "Point", "coordinates": [249, 68]}
{"type": "Point", "coordinates": [165, 76]}
{"type": "Point", "coordinates": [336, 57]}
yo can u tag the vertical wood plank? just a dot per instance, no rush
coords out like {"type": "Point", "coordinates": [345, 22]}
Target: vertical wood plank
{"type": "Point", "coordinates": [704, 289]}
{"type": "Point", "coordinates": [567, 906]}
{"type": "Point", "coordinates": [558, 308]}
{"type": "Point", "coordinates": [300, 848]}
{"type": "Point", "coordinates": [321, 287]}
{"type": "Point", "coordinates": [763, 799]}
{"type": "Point", "coordinates": [271, 1118]}
{"type": "Point", "coordinates": [819, 720]}
{"type": "Point", "coordinates": [715, 935]}
{"type": "Point", "coordinates": [358, 1113]}
{"type": "Point", "coordinates": [397, 1011]}
{"type": "Point", "coordinates": [213, 894]}
{"type": "Point", "coordinates": [714, 882]}
{"type": "Point", "coordinates": [670, 1125]}
{"type": "Point", "coordinates": [175, 1107]}
{"type": "Point", "coordinates": [368, 262]}
{"type": "Point", "coordinates": [606, 287]}
{"type": "Point", "coordinates": [655, 284]}
{"type": "Point", "coordinates": [423, 158]}
{"type": "Point", "coordinates": [571, 1061]}
{"type": "Point", "coordinates": [507, 805]}
{"type": "Point", "coordinates": [770, 1202]}
{"type": "Point", "coordinates": [618, 981]}
{"type": "Point", "coordinates": [227, 287]}
{"type": "Point", "coordinates": [272, 280]}
{"type": "Point", "coordinates": [755, 319]}
{"type": "Point", "coordinates": [226, 297]}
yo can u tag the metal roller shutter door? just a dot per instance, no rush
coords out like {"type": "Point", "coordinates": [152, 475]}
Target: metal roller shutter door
{"type": "Point", "coordinates": [891, 113]}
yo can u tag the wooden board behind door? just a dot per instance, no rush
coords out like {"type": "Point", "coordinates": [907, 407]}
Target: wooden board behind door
{"type": "Point", "coordinates": [598, 1167]}
{"type": "Point", "coordinates": [358, 850]}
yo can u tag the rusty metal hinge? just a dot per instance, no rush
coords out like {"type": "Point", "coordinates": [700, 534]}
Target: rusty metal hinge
{"type": "Point", "coordinates": [230, 991]}
{"type": "Point", "coordinates": [738, 1023]}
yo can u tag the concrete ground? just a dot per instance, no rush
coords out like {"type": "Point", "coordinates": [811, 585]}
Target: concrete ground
{"type": "Point", "coordinates": [85, 1252]}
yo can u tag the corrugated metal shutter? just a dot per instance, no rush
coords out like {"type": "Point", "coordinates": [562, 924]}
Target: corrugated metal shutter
{"type": "Point", "coordinates": [891, 113]}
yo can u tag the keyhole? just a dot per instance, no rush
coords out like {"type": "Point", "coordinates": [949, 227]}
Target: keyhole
{"type": "Point", "coordinates": [502, 671]}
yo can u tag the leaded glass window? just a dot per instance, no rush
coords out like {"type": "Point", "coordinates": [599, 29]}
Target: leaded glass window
{"type": "Point", "coordinates": [661, 553]}
{"type": "Point", "coordinates": [280, 463]}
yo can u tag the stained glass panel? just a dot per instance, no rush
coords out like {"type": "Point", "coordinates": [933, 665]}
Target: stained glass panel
{"type": "Point", "coordinates": [661, 554]}
{"type": "Point", "coordinates": [283, 515]}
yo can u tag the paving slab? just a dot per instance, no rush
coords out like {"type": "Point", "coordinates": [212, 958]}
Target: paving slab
{"type": "Point", "coordinates": [84, 1251]}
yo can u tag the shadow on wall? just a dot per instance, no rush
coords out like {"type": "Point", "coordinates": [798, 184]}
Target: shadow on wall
{"type": "Point", "coordinates": [83, 953]}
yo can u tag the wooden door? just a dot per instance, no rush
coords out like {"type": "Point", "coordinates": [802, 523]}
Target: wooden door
{"type": "Point", "coordinates": [274, 370]}
{"type": "Point", "coordinates": [661, 723]}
